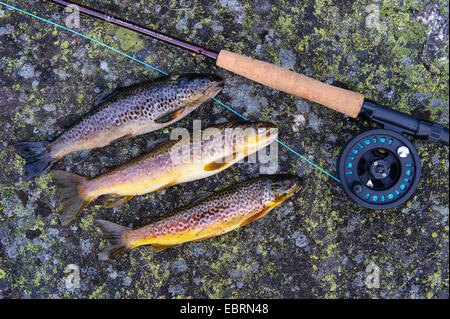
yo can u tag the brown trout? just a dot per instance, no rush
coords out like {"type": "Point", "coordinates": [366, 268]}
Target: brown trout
{"type": "Point", "coordinates": [170, 163]}
{"type": "Point", "coordinates": [124, 112]}
{"type": "Point", "coordinates": [214, 215]}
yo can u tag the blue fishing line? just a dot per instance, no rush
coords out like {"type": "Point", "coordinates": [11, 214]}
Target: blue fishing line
{"type": "Point", "coordinates": [85, 36]}
{"type": "Point", "coordinates": [156, 69]}
{"type": "Point", "coordinates": [304, 158]}
{"type": "Point", "coordinates": [230, 109]}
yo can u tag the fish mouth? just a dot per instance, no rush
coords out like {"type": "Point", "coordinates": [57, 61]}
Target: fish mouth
{"type": "Point", "coordinates": [296, 186]}
{"type": "Point", "coordinates": [214, 88]}
{"type": "Point", "coordinates": [273, 131]}
{"type": "Point", "coordinates": [269, 129]}
{"type": "Point", "coordinates": [288, 193]}
{"type": "Point", "coordinates": [269, 135]}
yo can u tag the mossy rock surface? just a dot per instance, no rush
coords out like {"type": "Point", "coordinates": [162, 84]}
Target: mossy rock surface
{"type": "Point", "coordinates": [319, 243]}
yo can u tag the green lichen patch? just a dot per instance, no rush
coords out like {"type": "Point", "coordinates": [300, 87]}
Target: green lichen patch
{"type": "Point", "coordinates": [319, 243]}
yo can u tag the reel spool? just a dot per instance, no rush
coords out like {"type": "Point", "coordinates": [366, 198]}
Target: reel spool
{"type": "Point", "coordinates": [379, 169]}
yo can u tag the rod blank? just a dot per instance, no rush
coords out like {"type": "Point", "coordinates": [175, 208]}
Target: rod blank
{"type": "Point", "coordinates": [140, 29]}
{"type": "Point", "coordinates": [276, 77]}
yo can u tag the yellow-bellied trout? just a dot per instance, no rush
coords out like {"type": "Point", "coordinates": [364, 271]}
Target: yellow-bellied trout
{"type": "Point", "coordinates": [171, 163]}
{"type": "Point", "coordinates": [214, 215]}
{"type": "Point", "coordinates": [128, 111]}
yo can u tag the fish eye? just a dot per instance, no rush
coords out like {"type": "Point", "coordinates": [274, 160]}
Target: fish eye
{"type": "Point", "coordinates": [201, 82]}
{"type": "Point", "coordinates": [260, 126]}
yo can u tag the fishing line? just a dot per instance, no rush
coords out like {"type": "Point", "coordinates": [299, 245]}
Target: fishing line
{"type": "Point", "coordinates": [158, 70]}
{"type": "Point", "coordinates": [282, 144]}
{"type": "Point", "coordinates": [85, 36]}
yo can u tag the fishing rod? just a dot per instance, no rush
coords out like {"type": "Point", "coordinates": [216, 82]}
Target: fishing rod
{"type": "Point", "coordinates": [378, 169]}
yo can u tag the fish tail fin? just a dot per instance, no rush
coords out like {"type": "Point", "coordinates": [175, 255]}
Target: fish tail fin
{"type": "Point", "coordinates": [114, 234]}
{"type": "Point", "coordinates": [37, 157]}
{"type": "Point", "coordinates": [70, 190]}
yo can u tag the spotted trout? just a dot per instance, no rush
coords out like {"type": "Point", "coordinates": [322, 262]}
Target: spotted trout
{"type": "Point", "coordinates": [124, 112]}
{"type": "Point", "coordinates": [171, 163]}
{"type": "Point", "coordinates": [219, 213]}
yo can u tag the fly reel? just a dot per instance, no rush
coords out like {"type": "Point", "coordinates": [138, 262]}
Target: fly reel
{"type": "Point", "coordinates": [379, 169]}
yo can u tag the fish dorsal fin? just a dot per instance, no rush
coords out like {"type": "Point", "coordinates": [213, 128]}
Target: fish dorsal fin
{"type": "Point", "coordinates": [158, 247]}
{"type": "Point", "coordinates": [197, 198]}
{"type": "Point", "coordinates": [106, 96]}
{"type": "Point", "coordinates": [219, 164]}
{"type": "Point", "coordinates": [113, 200]}
{"type": "Point", "coordinates": [256, 216]}
{"type": "Point", "coordinates": [169, 117]}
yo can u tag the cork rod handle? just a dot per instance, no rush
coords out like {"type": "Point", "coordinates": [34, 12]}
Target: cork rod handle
{"type": "Point", "coordinates": [282, 79]}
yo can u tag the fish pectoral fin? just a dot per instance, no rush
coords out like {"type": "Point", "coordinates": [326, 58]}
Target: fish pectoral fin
{"type": "Point", "coordinates": [217, 165]}
{"type": "Point", "coordinates": [113, 200]}
{"type": "Point", "coordinates": [206, 233]}
{"type": "Point", "coordinates": [243, 149]}
{"type": "Point", "coordinates": [169, 117]}
{"type": "Point", "coordinates": [165, 186]}
{"type": "Point", "coordinates": [158, 247]}
{"type": "Point", "coordinates": [206, 237]}
{"type": "Point", "coordinates": [256, 216]}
